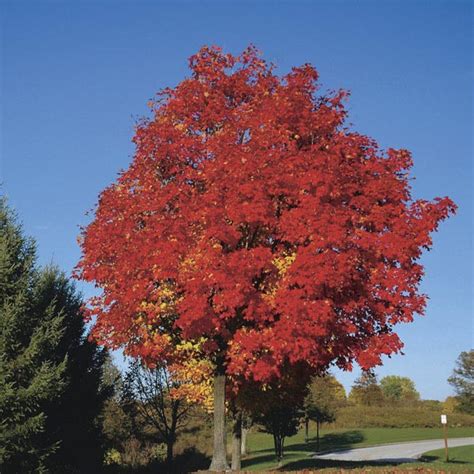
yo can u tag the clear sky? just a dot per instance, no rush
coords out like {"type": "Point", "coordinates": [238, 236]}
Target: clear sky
{"type": "Point", "coordinates": [75, 75]}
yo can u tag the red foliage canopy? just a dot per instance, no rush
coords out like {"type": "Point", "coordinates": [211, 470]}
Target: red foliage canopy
{"type": "Point", "coordinates": [279, 235]}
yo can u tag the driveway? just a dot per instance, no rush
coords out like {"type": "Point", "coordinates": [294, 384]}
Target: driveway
{"type": "Point", "coordinates": [401, 452]}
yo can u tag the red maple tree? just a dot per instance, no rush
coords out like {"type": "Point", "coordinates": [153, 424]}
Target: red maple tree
{"type": "Point", "coordinates": [254, 220]}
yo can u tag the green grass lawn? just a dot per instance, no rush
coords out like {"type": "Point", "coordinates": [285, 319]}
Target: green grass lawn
{"type": "Point", "coordinates": [459, 455]}
{"type": "Point", "coordinates": [297, 452]}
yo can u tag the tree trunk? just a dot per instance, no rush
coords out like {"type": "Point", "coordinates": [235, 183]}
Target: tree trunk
{"type": "Point", "coordinates": [169, 455]}
{"type": "Point", "coordinates": [237, 442]}
{"type": "Point", "coordinates": [219, 455]}
{"type": "Point", "coordinates": [275, 444]}
{"type": "Point", "coordinates": [172, 434]}
{"type": "Point", "coordinates": [279, 450]}
{"type": "Point", "coordinates": [317, 435]}
{"type": "Point", "coordinates": [306, 430]}
{"type": "Point", "coordinates": [243, 450]}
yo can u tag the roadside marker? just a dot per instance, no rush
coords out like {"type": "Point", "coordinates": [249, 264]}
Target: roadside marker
{"type": "Point", "coordinates": [444, 422]}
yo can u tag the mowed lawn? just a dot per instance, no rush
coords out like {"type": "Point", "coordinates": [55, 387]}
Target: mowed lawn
{"type": "Point", "coordinates": [297, 452]}
{"type": "Point", "coordinates": [460, 455]}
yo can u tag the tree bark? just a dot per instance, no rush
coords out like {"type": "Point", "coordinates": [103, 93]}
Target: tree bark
{"type": "Point", "coordinates": [219, 455]}
{"type": "Point", "coordinates": [237, 442]}
{"type": "Point", "coordinates": [306, 429]}
{"type": "Point", "coordinates": [243, 450]}
{"type": "Point", "coordinates": [169, 454]}
{"type": "Point", "coordinates": [275, 444]}
{"type": "Point", "coordinates": [317, 435]}
{"type": "Point", "coordinates": [279, 451]}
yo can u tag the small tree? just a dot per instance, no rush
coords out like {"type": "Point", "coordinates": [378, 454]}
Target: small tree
{"type": "Point", "coordinates": [280, 420]}
{"type": "Point", "coordinates": [277, 407]}
{"type": "Point", "coordinates": [325, 395]}
{"type": "Point", "coordinates": [366, 390]}
{"type": "Point", "coordinates": [399, 389]}
{"type": "Point", "coordinates": [149, 391]}
{"type": "Point", "coordinates": [462, 380]}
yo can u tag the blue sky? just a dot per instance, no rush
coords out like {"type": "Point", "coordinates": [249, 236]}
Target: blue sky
{"type": "Point", "coordinates": [75, 75]}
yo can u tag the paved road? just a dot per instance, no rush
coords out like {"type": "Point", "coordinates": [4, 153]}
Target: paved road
{"type": "Point", "coordinates": [402, 452]}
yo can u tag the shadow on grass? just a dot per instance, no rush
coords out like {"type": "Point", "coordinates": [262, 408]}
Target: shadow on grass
{"type": "Point", "coordinates": [259, 459]}
{"type": "Point", "coordinates": [437, 459]}
{"type": "Point", "coordinates": [328, 442]}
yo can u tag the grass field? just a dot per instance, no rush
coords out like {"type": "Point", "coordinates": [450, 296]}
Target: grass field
{"type": "Point", "coordinates": [297, 452]}
{"type": "Point", "coordinates": [459, 455]}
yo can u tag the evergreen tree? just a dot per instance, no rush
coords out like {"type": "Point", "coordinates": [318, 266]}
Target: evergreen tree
{"type": "Point", "coordinates": [462, 379]}
{"type": "Point", "coordinates": [28, 376]}
{"type": "Point", "coordinates": [366, 390]}
{"type": "Point", "coordinates": [51, 390]}
{"type": "Point", "coordinates": [74, 419]}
